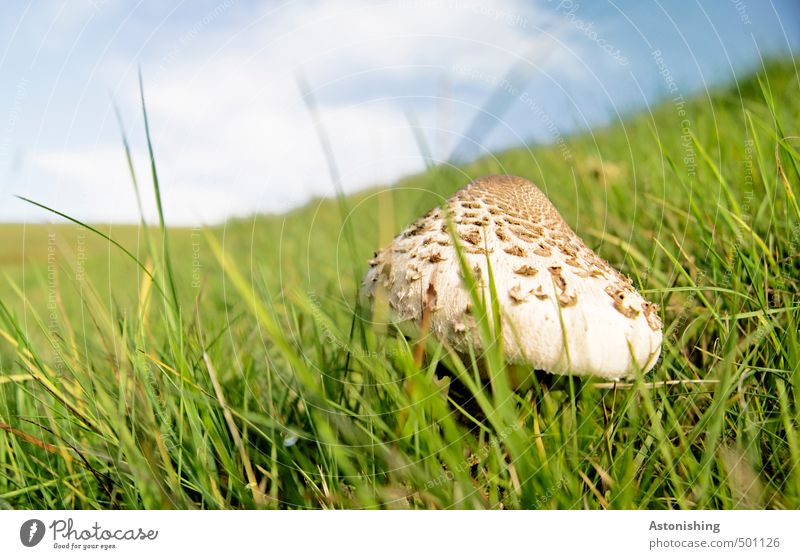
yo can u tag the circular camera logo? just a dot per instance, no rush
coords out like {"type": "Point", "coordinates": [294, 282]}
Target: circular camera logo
{"type": "Point", "coordinates": [31, 532]}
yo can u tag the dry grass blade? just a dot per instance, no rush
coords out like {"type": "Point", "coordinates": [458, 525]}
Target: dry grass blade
{"type": "Point", "coordinates": [259, 497]}
{"type": "Point", "coordinates": [656, 384]}
{"type": "Point", "coordinates": [29, 438]}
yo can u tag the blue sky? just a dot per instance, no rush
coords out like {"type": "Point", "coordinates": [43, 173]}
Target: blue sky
{"type": "Point", "coordinates": [232, 134]}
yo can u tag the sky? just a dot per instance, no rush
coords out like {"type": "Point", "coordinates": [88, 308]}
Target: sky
{"type": "Point", "coordinates": [229, 112]}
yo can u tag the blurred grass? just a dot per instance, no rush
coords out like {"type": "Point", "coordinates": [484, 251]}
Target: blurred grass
{"type": "Point", "coordinates": [264, 386]}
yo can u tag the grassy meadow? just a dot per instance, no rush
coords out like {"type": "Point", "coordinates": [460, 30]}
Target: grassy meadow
{"type": "Point", "coordinates": [233, 366]}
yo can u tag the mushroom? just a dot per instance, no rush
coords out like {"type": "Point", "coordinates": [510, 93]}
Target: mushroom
{"type": "Point", "coordinates": [563, 309]}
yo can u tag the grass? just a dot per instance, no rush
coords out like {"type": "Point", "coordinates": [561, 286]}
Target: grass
{"type": "Point", "coordinates": [233, 368]}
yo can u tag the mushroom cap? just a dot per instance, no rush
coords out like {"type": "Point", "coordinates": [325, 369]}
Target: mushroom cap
{"type": "Point", "coordinates": [563, 309]}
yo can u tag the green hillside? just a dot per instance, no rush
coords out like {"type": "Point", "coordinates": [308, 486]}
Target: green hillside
{"type": "Point", "coordinates": [238, 373]}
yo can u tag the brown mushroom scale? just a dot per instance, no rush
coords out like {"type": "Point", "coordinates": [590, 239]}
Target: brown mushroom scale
{"type": "Point", "coordinates": [563, 308]}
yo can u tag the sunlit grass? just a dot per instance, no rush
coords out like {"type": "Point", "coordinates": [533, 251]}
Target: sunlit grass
{"type": "Point", "coordinates": [234, 367]}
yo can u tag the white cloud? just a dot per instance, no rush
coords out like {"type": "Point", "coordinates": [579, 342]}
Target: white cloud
{"type": "Point", "coordinates": [231, 132]}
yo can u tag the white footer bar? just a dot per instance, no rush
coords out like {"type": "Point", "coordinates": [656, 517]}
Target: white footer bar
{"type": "Point", "coordinates": [403, 534]}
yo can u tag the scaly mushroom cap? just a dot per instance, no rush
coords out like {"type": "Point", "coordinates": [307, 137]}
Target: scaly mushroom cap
{"type": "Point", "coordinates": [564, 309]}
